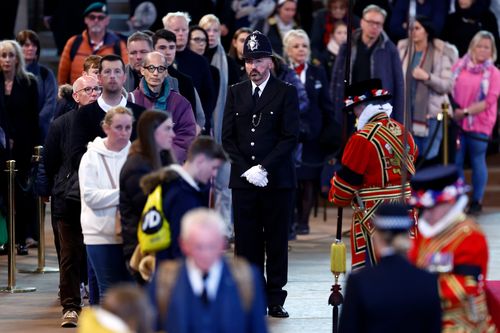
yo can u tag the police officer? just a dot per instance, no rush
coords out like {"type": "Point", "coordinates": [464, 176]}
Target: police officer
{"type": "Point", "coordinates": [260, 130]}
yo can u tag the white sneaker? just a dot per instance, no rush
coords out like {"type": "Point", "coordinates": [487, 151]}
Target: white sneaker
{"type": "Point", "coordinates": [70, 319]}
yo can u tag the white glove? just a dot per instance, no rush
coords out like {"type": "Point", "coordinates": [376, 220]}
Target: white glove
{"type": "Point", "coordinates": [256, 175]}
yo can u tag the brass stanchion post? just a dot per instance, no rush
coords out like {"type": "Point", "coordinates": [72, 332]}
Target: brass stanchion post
{"type": "Point", "coordinates": [11, 282]}
{"type": "Point", "coordinates": [444, 108]}
{"type": "Point", "coordinates": [36, 158]}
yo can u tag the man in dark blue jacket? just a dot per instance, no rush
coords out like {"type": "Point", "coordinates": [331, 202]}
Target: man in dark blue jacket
{"type": "Point", "coordinates": [393, 296]}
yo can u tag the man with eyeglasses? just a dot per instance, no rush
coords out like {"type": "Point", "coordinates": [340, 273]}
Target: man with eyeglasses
{"type": "Point", "coordinates": [66, 214]}
{"type": "Point", "coordinates": [192, 64]}
{"type": "Point", "coordinates": [374, 55]}
{"type": "Point", "coordinates": [154, 92]}
{"type": "Point", "coordinates": [164, 41]}
{"type": "Point", "coordinates": [95, 39]}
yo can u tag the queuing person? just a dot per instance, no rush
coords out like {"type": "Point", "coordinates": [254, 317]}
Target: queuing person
{"type": "Point", "coordinates": [431, 81]}
{"type": "Point", "coordinates": [95, 39]}
{"type": "Point", "coordinates": [475, 92]}
{"type": "Point", "coordinates": [18, 116]}
{"type": "Point", "coordinates": [47, 84]}
{"type": "Point", "coordinates": [373, 56]}
{"type": "Point", "coordinates": [205, 292]}
{"type": "Point", "coordinates": [125, 308]}
{"type": "Point", "coordinates": [66, 213]}
{"type": "Point", "coordinates": [452, 246]}
{"type": "Point", "coordinates": [312, 120]}
{"type": "Point", "coordinates": [470, 17]}
{"type": "Point", "coordinates": [150, 151]}
{"type": "Point", "coordinates": [192, 64]}
{"type": "Point", "coordinates": [372, 165]}
{"type": "Point", "coordinates": [259, 132]}
{"type": "Point", "coordinates": [88, 118]}
{"type": "Point", "coordinates": [154, 92]}
{"type": "Point", "coordinates": [325, 21]}
{"type": "Point", "coordinates": [227, 76]}
{"type": "Point", "coordinates": [164, 41]}
{"type": "Point", "coordinates": [236, 51]}
{"type": "Point", "coordinates": [329, 54]}
{"type": "Point", "coordinates": [98, 177]}
{"type": "Point", "coordinates": [377, 299]}
{"type": "Point", "coordinates": [185, 187]}
{"type": "Point", "coordinates": [138, 46]}
{"type": "Point", "coordinates": [283, 19]}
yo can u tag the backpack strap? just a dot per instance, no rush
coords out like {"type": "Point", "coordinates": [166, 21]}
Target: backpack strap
{"type": "Point", "coordinates": [75, 46]}
{"type": "Point", "coordinates": [243, 276]}
{"type": "Point", "coordinates": [166, 277]}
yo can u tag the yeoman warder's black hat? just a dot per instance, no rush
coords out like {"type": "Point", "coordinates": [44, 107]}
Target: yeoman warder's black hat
{"type": "Point", "coordinates": [365, 91]}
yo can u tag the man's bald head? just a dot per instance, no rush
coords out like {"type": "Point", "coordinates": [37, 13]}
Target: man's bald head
{"type": "Point", "coordinates": [86, 90]}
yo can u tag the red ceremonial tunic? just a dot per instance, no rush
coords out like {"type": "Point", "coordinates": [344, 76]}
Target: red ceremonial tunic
{"type": "Point", "coordinates": [461, 288]}
{"type": "Point", "coordinates": [371, 175]}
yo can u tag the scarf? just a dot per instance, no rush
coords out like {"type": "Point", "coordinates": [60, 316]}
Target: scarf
{"type": "Point", "coordinates": [333, 46]}
{"type": "Point", "coordinates": [370, 111]}
{"type": "Point", "coordinates": [159, 99]}
{"type": "Point", "coordinates": [219, 61]}
{"type": "Point", "coordinates": [466, 63]}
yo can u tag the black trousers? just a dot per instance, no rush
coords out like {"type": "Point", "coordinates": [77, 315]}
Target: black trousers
{"type": "Point", "coordinates": [73, 264]}
{"type": "Point", "coordinates": [261, 219]}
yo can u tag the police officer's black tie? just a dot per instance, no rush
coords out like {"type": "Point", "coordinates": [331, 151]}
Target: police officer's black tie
{"type": "Point", "coordinates": [204, 294]}
{"type": "Point", "coordinates": [255, 96]}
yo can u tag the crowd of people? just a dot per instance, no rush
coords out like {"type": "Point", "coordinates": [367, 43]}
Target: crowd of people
{"type": "Point", "coordinates": [240, 106]}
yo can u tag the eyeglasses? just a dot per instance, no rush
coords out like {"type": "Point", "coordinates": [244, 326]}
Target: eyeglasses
{"type": "Point", "coordinates": [89, 90]}
{"type": "Point", "coordinates": [152, 68]}
{"type": "Point", "coordinates": [199, 40]}
{"type": "Point", "coordinates": [93, 17]}
{"type": "Point", "coordinates": [374, 23]}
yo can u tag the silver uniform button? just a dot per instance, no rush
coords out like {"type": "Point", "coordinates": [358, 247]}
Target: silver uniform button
{"type": "Point", "coordinates": [272, 112]}
{"type": "Point", "coordinates": [253, 157]}
{"type": "Point", "coordinates": [253, 129]}
{"type": "Point", "coordinates": [237, 114]}
{"type": "Point", "coordinates": [252, 143]}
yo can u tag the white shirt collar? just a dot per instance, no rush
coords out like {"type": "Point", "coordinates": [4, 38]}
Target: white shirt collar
{"type": "Point", "coordinates": [195, 276]}
{"type": "Point", "coordinates": [106, 107]}
{"type": "Point", "coordinates": [262, 86]}
{"type": "Point", "coordinates": [186, 176]}
{"type": "Point", "coordinates": [427, 230]}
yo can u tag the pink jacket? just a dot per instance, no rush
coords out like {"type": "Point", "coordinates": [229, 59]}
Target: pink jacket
{"type": "Point", "coordinates": [465, 92]}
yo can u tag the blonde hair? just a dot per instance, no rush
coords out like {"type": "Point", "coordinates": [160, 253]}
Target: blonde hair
{"type": "Point", "coordinates": [295, 33]}
{"type": "Point", "coordinates": [483, 34]}
{"type": "Point", "coordinates": [21, 71]}
{"type": "Point", "coordinates": [108, 118]}
{"type": "Point", "coordinates": [207, 20]}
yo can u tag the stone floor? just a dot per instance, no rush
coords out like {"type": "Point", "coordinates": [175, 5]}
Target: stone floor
{"type": "Point", "coordinates": [308, 288]}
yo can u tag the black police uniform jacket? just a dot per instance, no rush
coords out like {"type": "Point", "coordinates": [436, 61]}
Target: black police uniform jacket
{"type": "Point", "coordinates": [268, 139]}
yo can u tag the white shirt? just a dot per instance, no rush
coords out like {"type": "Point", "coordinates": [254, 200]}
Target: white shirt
{"type": "Point", "coordinates": [195, 276]}
{"type": "Point", "coordinates": [106, 107]}
{"type": "Point", "coordinates": [262, 86]}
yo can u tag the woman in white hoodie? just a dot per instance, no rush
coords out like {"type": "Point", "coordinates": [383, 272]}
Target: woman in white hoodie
{"type": "Point", "coordinates": [99, 176]}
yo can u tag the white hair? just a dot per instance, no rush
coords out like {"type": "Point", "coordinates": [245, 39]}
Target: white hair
{"type": "Point", "coordinates": [166, 19]}
{"type": "Point", "coordinates": [201, 217]}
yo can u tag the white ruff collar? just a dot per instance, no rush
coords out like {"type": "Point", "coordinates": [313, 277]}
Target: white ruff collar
{"type": "Point", "coordinates": [429, 231]}
{"type": "Point", "coordinates": [371, 110]}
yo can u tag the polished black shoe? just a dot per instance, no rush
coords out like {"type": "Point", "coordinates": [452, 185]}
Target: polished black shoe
{"type": "Point", "coordinates": [475, 208]}
{"type": "Point", "coordinates": [277, 311]}
{"type": "Point", "coordinates": [22, 250]}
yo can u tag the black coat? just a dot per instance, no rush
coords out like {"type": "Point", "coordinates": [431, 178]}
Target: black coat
{"type": "Point", "coordinates": [319, 113]}
{"type": "Point", "coordinates": [186, 87]}
{"type": "Point", "coordinates": [57, 165]}
{"type": "Point", "coordinates": [19, 120]}
{"type": "Point", "coordinates": [392, 297]}
{"type": "Point", "coordinates": [271, 143]}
